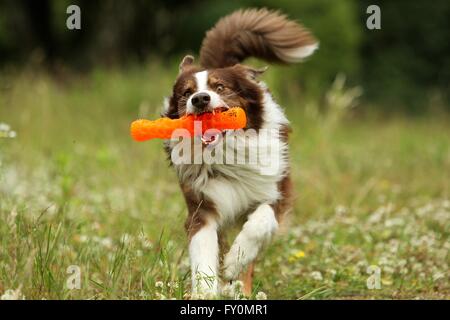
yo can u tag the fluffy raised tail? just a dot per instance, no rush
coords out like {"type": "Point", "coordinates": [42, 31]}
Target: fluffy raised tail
{"type": "Point", "coordinates": [259, 33]}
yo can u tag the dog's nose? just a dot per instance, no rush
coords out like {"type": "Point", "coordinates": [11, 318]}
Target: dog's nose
{"type": "Point", "coordinates": [200, 100]}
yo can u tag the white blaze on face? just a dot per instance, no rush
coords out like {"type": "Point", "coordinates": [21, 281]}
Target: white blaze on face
{"type": "Point", "coordinates": [201, 79]}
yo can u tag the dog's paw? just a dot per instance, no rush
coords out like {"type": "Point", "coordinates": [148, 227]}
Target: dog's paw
{"type": "Point", "coordinates": [233, 290]}
{"type": "Point", "coordinates": [231, 270]}
{"type": "Point", "coordinates": [235, 261]}
{"type": "Point", "coordinates": [204, 287]}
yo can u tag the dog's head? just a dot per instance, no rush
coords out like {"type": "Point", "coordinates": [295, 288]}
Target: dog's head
{"type": "Point", "coordinates": [197, 91]}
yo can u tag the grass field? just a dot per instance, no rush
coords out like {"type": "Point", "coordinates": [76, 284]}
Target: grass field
{"type": "Point", "coordinates": [75, 190]}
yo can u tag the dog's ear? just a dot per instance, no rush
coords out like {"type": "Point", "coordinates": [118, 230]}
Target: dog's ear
{"type": "Point", "coordinates": [251, 72]}
{"type": "Point", "coordinates": [186, 63]}
{"type": "Point", "coordinates": [256, 72]}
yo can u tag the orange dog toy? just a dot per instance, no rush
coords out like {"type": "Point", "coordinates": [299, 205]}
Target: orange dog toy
{"type": "Point", "coordinates": [163, 128]}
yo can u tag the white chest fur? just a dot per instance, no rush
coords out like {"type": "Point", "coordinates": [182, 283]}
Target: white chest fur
{"type": "Point", "coordinates": [233, 198]}
{"type": "Point", "coordinates": [233, 187]}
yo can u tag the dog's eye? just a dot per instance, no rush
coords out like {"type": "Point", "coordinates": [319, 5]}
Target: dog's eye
{"type": "Point", "coordinates": [220, 88]}
{"type": "Point", "coordinates": [187, 93]}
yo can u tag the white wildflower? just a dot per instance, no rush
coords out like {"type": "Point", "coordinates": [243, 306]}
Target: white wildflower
{"type": "Point", "coordinates": [438, 275]}
{"type": "Point", "coordinates": [417, 266]}
{"type": "Point", "coordinates": [96, 226]}
{"type": "Point", "coordinates": [198, 296]}
{"type": "Point", "coordinates": [238, 285]}
{"type": "Point", "coordinates": [446, 204]}
{"type": "Point", "coordinates": [228, 290]}
{"type": "Point", "coordinates": [402, 263]}
{"type": "Point", "coordinates": [13, 295]}
{"type": "Point", "coordinates": [233, 290]}
{"type": "Point", "coordinates": [333, 272]}
{"type": "Point", "coordinates": [394, 222]}
{"type": "Point", "coordinates": [388, 269]}
{"type": "Point", "coordinates": [173, 284]}
{"type": "Point", "coordinates": [84, 238]}
{"type": "Point", "coordinates": [106, 242]}
{"type": "Point", "coordinates": [261, 296]}
{"type": "Point", "coordinates": [6, 132]}
{"type": "Point", "coordinates": [376, 217]}
{"type": "Point", "coordinates": [4, 126]}
{"type": "Point", "coordinates": [340, 210]}
{"type": "Point", "coordinates": [160, 296]}
{"type": "Point", "coordinates": [316, 275]}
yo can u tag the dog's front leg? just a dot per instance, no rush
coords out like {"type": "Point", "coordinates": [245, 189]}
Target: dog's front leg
{"type": "Point", "coordinates": [256, 232]}
{"type": "Point", "coordinates": [201, 226]}
{"type": "Point", "coordinates": [204, 255]}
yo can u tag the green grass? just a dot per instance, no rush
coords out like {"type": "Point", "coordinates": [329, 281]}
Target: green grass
{"type": "Point", "coordinates": [76, 190]}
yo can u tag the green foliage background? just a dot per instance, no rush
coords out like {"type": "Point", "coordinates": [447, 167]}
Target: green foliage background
{"type": "Point", "coordinates": [402, 67]}
{"type": "Point", "coordinates": [371, 183]}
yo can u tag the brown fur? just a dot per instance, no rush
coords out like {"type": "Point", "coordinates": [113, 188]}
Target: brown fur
{"type": "Point", "coordinates": [177, 102]}
{"type": "Point", "coordinates": [286, 188]}
{"type": "Point", "coordinates": [247, 279]}
{"type": "Point", "coordinates": [198, 211]}
{"type": "Point", "coordinates": [240, 90]}
{"type": "Point", "coordinates": [258, 33]}
{"type": "Point", "coordinates": [283, 206]}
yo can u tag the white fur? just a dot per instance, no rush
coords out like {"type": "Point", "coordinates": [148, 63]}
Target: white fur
{"type": "Point", "coordinates": [233, 198]}
{"type": "Point", "coordinates": [237, 187]}
{"type": "Point", "coordinates": [166, 104]}
{"type": "Point", "coordinates": [201, 79]}
{"type": "Point", "coordinates": [204, 255]}
{"type": "Point", "coordinates": [273, 115]}
{"type": "Point", "coordinates": [297, 54]}
{"type": "Point", "coordinates": [234, 189]}
{"type": "Point", "coordinates": [255, 234]}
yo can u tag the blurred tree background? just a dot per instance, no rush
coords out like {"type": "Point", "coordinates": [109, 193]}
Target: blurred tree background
{"type": "Point", "coordinates": [403, 67]}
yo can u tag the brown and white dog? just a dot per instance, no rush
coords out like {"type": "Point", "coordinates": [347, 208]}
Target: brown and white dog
{"type": "Point", "coordinates": [222, 195]}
